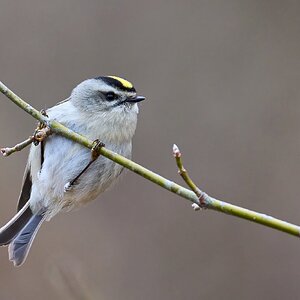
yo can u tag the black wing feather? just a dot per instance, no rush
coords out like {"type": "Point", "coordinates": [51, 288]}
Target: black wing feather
{"type": "Point", "coordinates": [26, 189]}
{"type": "Point", "coordinates": [27, 181]}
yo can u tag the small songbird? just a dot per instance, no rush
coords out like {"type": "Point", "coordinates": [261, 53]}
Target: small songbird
{"type": "Point", "coordinates": [62, 175]}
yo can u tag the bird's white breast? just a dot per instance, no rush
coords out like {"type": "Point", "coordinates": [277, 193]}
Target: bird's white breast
{"type": "Point", "coordinates": [65, 159]}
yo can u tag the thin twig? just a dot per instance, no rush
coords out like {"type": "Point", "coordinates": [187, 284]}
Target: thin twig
{"type": "Point", "coordinates": [210, 202]}
{"type": "Point", "coordinates": [188, 180]}
{"type": "Point", "coordinates": [40, 134]}
{"type": "Point", "coordinates": [8, 151]}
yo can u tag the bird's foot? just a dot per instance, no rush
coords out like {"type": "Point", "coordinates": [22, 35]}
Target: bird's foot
{"type": "Point", "coordinates": [67, 187]}
{"type": "Point", "coordinates": [42, 131]}
{"type": "Point", "coordinates": [95, 151]}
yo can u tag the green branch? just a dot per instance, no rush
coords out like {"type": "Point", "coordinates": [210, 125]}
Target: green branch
{"type": "Point", "coordinates": [207, 201]}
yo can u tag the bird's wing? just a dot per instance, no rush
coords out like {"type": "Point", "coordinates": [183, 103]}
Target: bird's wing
{"type": "Point", "coordinates": [34, 164]}
{"type": "Point", "coordinates": [26, 188]}
{"type": "Point", "coordinates": [27, 178]}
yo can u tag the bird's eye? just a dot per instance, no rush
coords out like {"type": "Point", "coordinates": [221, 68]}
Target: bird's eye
{"type": "Point", "coordinates": [110, 96]}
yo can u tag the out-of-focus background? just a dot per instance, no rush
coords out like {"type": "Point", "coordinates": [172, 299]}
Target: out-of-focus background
{"type": "Point", "coordinates": [222, 81]}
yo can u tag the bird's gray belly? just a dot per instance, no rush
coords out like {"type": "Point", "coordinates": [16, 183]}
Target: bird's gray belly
{"type": "Point", "coordinates": [64, 161]}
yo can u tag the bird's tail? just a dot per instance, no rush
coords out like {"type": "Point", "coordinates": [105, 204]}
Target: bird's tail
{"type": "Point", "coordinates": [19, 247]}
{"type": "Point", "coordinates": [10, 230]}
{"type": "Point", "coordinates": [19, 234]}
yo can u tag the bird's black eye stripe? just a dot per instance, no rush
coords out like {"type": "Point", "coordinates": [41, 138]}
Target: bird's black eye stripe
{"type": "Point", "coordinates": [111, 96]}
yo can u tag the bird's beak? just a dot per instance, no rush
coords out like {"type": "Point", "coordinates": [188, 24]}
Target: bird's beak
{"type": "Point", "coordinates": [135, 99]}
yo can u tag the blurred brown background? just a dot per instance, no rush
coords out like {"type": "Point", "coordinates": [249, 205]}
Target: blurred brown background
{"type": "Point", "coordinates": [222, 81]}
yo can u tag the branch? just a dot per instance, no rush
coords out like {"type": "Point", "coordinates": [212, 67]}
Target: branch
{"type": "Point", "coordinates": [39, 135]}
{"type": "Point", "coordinates": [8, 151]}
{"type": "Point", "coordinates": [188, 180]}
{"type": "Point", "coordinates": [210, 202]}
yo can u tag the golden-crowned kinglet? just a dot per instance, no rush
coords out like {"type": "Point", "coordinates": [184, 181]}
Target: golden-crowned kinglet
{"type": "Point", "coordinates": [60, 175]}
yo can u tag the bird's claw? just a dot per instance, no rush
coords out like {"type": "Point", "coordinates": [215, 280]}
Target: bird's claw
{"type": "Point", "coordinates": [67, 187]}
{"type": "Point", "coordinates": [42, 131]}
{"type": "Point", "coordinates": [95, 151]}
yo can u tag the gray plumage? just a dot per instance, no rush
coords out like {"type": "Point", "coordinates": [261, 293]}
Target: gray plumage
{"type": "Point", "coordinates": [19, 247]}
{"type": "Point", "coordinates": [104, 108]}
{"type": "Point", "coordinates": [13, 227]}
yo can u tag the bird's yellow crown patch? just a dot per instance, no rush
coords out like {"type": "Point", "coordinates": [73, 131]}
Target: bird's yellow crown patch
{"type": "Point", "coordinates": [125, 83]}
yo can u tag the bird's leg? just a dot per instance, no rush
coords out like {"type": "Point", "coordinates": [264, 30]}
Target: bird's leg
{"type": "Point", "coordinates": [95, 153]}
{"type": "Point", "coordinates": [42, 131]}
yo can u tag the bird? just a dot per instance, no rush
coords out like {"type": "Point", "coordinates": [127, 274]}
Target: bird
{"type": "Point", "coordinates": [62, 175]}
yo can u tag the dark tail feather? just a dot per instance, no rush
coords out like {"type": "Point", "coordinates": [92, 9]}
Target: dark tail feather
{"type": "Point", "coordinates": [18, 249]}
{"type": "Point", "coordinates": [9, 231]}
